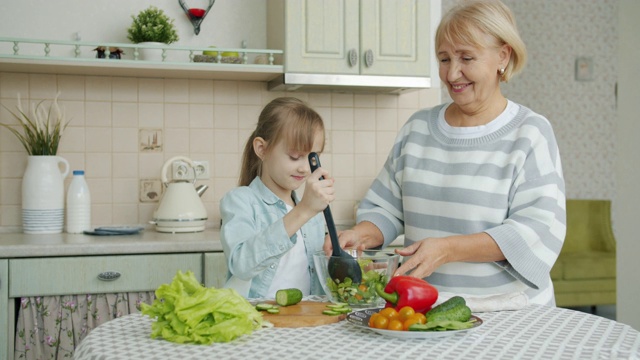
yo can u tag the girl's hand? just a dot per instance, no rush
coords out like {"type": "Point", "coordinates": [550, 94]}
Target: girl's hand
{"type": "Point", "coordinates": [318, 194]}
{"type": "Point", "coordinates": [424, 257]}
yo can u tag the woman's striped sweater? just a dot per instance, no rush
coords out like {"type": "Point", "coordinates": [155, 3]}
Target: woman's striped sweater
{"type": "Point", "coordinates": [507, 183]}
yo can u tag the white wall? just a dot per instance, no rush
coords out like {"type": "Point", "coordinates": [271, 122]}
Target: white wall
{"type": "Point", "coordinates": [226, 25]}
{"type": "Point", "coordinates": [627, 203]}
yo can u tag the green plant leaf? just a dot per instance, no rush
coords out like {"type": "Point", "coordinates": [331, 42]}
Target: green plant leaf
{"type": "Point", "coordinates": [152, 24]}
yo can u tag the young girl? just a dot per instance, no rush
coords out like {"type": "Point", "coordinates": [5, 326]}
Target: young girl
{"type": "Point", "coordinates": [269, 235]}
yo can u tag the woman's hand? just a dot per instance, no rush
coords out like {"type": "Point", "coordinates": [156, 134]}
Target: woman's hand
{"type": "Point", "coordinates": [349, 239]}
{"type": "Point", "coordinates": [423, 257]}
{"type": "Point", "coordinates": [426, 255]}
{"type": "Point", "coordinates": [365, 235]}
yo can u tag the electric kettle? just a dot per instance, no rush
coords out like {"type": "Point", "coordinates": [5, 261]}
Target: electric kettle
{"type": "Point", "coordinates": [180, 208]}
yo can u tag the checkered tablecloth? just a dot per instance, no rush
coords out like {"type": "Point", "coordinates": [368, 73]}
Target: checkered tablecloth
{"type": "Point", "coordinates": [536, 332]}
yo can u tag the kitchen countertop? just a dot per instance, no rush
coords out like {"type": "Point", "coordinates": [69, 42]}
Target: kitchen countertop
{"type": "Point", "coordinates": [149, 241]}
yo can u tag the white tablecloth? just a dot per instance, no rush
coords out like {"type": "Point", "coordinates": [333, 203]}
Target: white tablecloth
{"type": "Point", "coordinates": [536, 332]}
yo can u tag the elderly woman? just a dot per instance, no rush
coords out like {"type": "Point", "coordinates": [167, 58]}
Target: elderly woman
{"type": "Point", "coordinates": [475, 185]}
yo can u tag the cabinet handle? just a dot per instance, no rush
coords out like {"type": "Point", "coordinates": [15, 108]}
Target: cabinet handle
{"type": "Point", "coordinates": [109, 275]}
{"type": "Point", "coordinates": [353, 57]}
{"type": "Point", "coordinates": [368, 58]}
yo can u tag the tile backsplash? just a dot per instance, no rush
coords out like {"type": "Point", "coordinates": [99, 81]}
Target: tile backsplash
{"type": "Point", "coordinates": [123, 129]}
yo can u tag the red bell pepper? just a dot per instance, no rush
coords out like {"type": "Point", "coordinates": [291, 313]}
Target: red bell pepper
{"type": "Point", "coordinates": [405, 290]}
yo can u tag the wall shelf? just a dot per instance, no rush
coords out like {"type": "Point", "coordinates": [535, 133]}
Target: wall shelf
{"type": "Point", "coordinates": [78, 58]}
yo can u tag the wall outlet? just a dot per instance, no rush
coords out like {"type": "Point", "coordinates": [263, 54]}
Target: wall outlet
{"type": "Point", "coordinates": [182, 171]}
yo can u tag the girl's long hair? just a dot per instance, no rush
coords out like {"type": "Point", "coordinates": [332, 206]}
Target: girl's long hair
{"type": "Point", "coordinates": [284, 118]}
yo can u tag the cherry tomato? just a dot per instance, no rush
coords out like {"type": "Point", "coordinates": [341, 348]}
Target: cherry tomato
{"type": "Point", "coordinates": [406, 312]}
{"type": "Point", "coordinates": [372, 319]}
{"type": "Point", "coordinates": [422, 319]}
{"type": "Point", "coordinates": [395, 324]}
{"type": "Point", "coordinates": [381, 322]}
{"type": "Point", "coordinates": [417, 318]}
{"type": "Point", "coordinates": [389, 313]}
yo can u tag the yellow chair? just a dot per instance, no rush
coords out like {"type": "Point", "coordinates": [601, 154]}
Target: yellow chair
{"type": "Point", "coordinates": [585, 272]}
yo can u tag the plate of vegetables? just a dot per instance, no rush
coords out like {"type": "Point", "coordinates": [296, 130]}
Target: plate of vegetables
{"type": "Point", "coordinates": [451, 317]}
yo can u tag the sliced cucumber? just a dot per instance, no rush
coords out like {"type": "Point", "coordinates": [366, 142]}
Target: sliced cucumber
{"type": "Point", "coordinates": [273, 311]}
{"type": "Point", "coordinates": [337, 305]}
{"type": "Point", "coordinates": [331, 312]}
{"type": "Point", "coordinates": [265, 306]}
{"type": "Point", "coordinates": [344, 310]}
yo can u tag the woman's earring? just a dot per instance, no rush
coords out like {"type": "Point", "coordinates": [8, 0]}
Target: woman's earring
{"type": "Point", "coordinates": [501, 71]}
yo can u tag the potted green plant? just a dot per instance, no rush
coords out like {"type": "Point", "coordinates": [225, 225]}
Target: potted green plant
{"type": "Point", "coordinates": [152, 26]}
{"type": "Point", "coordinates": [43, 180]}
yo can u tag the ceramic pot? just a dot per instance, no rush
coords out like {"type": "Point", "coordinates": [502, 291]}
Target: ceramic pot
{"type": "Point", "coordinates": [150, 54]}
{"type": "Point", "coordinates": [43, 195]}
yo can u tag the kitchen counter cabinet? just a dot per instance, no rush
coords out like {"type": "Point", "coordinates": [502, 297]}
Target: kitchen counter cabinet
{"type": "Point", "coordinates": [215, 270]}
{"type": "Point", "coordinates": [4, 305]}
{"type": "Point", "coordinates": [67, 264]}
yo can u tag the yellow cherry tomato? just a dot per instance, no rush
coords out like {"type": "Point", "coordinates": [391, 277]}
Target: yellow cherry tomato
{"type": "Point", "coordinates": [422, 319]}
{"type": "Point", "coordinates": [373, 318]}
{"type": "Point", "coordinates": [395, 325]}
{"type": "Point", "coordinates": [406, 312]}
{"type": "Point", "coordinates": [390, 313]}
{"type": "Point", "coordinates": [417, 318]}
{"type": "Point", "coordinates": [381, 322]}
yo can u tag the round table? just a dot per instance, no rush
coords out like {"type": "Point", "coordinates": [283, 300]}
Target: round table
{"type": "Point", "coordinates": [535, 332]}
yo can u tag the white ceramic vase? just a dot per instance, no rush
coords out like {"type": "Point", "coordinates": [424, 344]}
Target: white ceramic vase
{"type": "Point", "coordinates": [150, 54]}
{"type": "Point", "coordinates": [43, 195]}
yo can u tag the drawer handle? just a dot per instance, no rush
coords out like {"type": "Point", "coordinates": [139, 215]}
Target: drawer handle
{"type": "Point", "coordinates": [109, 275]}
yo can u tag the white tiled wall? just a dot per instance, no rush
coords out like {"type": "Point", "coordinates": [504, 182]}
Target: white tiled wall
{"type": "Point", "coordinates": [210, 120]}
{"type": "Point", "coordinates": [202, 119]}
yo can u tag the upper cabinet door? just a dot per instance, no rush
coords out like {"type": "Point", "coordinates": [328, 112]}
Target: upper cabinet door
{"type": "Point", "coordinates": [320, 36]}
{"type": "Point", "coordinates": [354, 37]}
{"type": "Point", "coordinates": [395, 37]}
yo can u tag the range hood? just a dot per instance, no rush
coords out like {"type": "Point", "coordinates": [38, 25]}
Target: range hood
{"type": "Point", "coordinates": [348, 83]}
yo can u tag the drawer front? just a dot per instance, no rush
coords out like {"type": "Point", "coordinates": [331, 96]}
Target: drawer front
{"type": "Point", "coordinates": [97, 274]}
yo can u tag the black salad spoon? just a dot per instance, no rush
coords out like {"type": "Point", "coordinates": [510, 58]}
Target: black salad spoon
{"type": "Point", "coordinates": [341, 264]}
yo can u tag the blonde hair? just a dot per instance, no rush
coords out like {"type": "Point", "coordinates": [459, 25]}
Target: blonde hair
{"type": "Point", "coordinates": [468, 21]}
{"type": "Point", "coordinates": [283, 119]}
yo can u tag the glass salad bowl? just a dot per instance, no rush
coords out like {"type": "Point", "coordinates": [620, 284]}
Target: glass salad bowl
{"type": "Point", "coordinates": [377, 266]}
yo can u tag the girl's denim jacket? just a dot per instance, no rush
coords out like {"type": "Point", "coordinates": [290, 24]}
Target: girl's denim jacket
{"type": "Point", "coordinates": [254, 238]}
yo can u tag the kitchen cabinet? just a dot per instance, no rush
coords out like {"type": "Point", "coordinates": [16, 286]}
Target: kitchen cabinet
{"type": "Point", "coordinates": [4, 307]}
{"type": "Point", "coordinates": [68, 264]}
{"type": "Point", "coordinates": [366, 37]}
{"type": "Point", "coordinates": [87, 275]}
{"type": "Point", "coordinates": [215, 269]}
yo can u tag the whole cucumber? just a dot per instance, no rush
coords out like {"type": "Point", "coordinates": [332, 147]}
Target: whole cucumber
{"type": "Point", "coordinates": [447, 305]}
{"type": "Point", "coordinates": [459, 313]}
{"type": "Point", "coordinates": [286, 297]}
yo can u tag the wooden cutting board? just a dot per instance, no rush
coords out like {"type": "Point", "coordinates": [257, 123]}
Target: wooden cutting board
{"type": "Point", "coordinates": [302, 314]}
